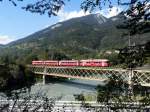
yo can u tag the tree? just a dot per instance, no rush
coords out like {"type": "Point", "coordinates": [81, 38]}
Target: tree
{"type": "Point", "coordinates": [138, 14]}
{"type": "Point", "coordinates": [53, 6]}
{"type": "Point", "coordinates": [132, 56]}
{"type": "Point", "coordinates": [114, 88]}
{"type": "Point", "coordinates": [138, 17]}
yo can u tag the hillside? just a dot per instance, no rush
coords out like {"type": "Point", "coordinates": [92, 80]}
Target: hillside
{"type": "Point", "coordinates": [83, 37]}
{"type": "Point", "coordinates": [1, 45]}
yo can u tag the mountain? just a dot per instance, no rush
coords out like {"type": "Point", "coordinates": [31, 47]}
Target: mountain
{"type": "Point", "coordinates": [82, 37]}
{"type": "Point", "coordinates": [66, 28]}
{"type": "Point", "coordinates": [1, 45]}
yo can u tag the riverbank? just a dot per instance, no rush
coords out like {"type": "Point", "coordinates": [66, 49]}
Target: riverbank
{"type": "Point", "coordinates": [15, 77]}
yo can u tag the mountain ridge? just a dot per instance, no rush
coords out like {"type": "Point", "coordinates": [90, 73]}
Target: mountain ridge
{"type": "Point", "coordinates": [78, 38]}
{"type": "Point", "coordinates": [70, 21]}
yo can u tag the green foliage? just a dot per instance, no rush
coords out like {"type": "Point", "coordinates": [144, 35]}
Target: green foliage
{"type": "Point", "coordinates": [148, 60]}
{"type": "Point", "coordinates": [114, 88]}
{"type": "Point", "coordinates": [117, 90]}
{"type": "Point", "coordinates": [4, 75]}
{"type": "Point", "coordinates": [14, 77]}
{"type": "Point", "coordinates": [135, 56]}
{"type": "Point", "coordinates": [79, 97]}
{"type": "Point", "coordinates": [113, 57]}
{"type": "Point", "coordinates": [30, 57]}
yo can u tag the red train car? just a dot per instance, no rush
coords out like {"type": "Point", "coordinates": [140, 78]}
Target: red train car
{"type": "Point", "coordinates": [95, 63]}
{"type": "Point", "coordinates": [51, 63]}
{"type": "Point", "coordinates": [69, 63]}
{"type": "Point", "coordinates": [101, 62]}
{"type": "Point", "coordinates": [86, 63]}
{"type": "Point", "coordinates": [38, 63]}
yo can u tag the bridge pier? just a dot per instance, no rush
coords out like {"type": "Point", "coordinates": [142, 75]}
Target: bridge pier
{"type": "Point", "coordinates": [43, 79]}
{"type": "Point", "coordinates": [130, 88]}
{"type": "Point", "coordinates": [44, 75]}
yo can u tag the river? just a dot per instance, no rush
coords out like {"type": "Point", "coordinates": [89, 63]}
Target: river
{"type": "Point", "coordinates": [65, 89]}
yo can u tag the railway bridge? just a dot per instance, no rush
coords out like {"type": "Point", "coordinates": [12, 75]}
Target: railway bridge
{"type": "Point", "coordinates": [141, 77]}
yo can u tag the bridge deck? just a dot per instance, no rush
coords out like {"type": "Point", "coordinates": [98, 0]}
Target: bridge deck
{"type": "Point", "coordinates": [91, 73]}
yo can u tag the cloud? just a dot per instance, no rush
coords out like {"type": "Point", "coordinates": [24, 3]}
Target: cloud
{"type": "Point", "coordinates": [66, 15]}
{"type": "Point", "coordinates": [5, 39]}
{"type": "Point", "coordinates": [110, 12]}
{"type": "Point", "coordinates": [63, 16]}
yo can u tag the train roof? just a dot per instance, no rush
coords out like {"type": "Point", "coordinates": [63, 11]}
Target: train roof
{"type": "Point", "coordinates": [68, 60]}
{"type": "Point", "coordinates": [50, 60]}
{"type": "Point", "coordinates": [95, 60]}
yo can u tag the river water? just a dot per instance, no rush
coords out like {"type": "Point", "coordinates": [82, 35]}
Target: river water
{"type": "Point", "coordinates": [65, 89]}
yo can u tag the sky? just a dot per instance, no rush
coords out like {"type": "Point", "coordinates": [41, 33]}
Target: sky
{"type": "Point", "coordinates": [16, 23]}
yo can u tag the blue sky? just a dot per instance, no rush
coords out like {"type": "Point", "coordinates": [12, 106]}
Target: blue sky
{"type": "Point", "coordinates": [16, 23]}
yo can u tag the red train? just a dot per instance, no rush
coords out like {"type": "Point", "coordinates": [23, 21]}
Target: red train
{"type": "Point", "coordinates": [84, 63]}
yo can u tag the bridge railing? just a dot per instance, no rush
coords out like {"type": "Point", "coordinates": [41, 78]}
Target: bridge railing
{"type": "Point", "coordinates": [141, 77]}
